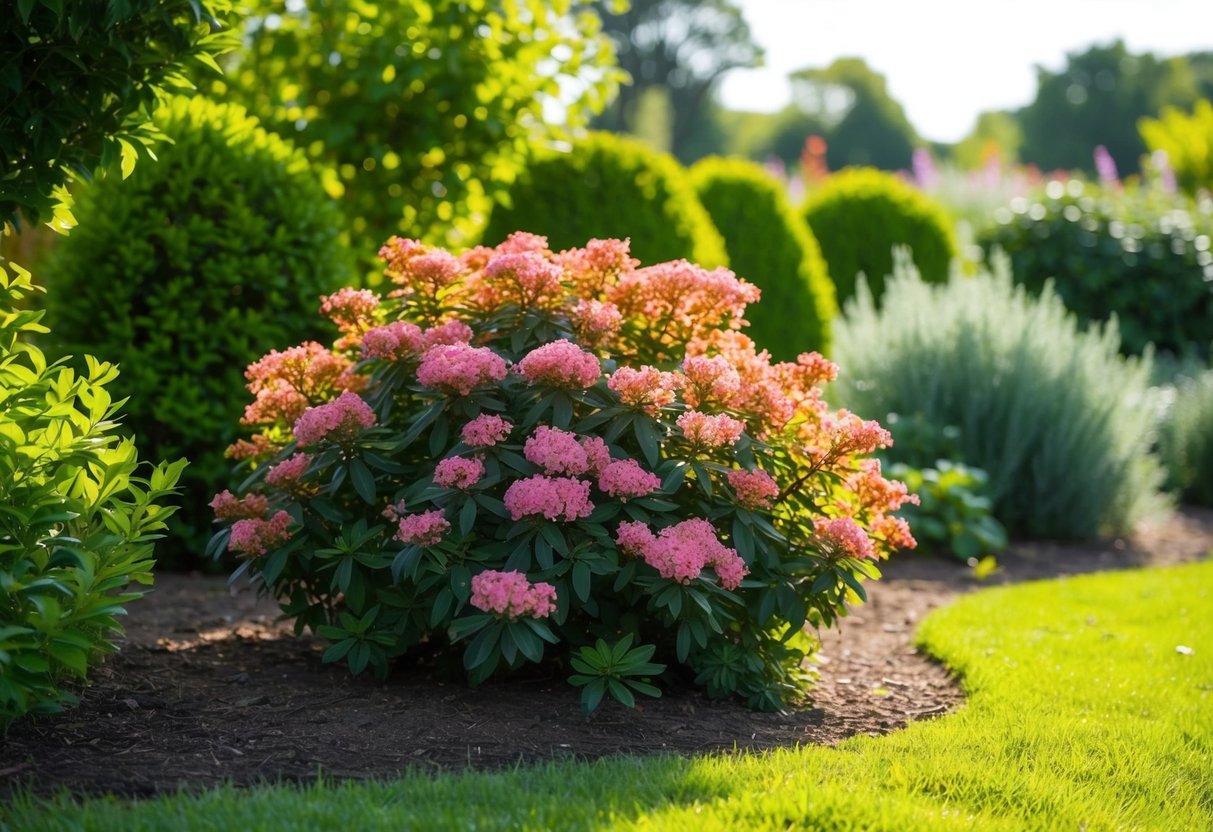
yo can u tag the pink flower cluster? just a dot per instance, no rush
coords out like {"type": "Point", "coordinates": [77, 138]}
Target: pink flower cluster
{"type": "Point", "coordinates": [647, 388]}
{"type": "Point", "coordinates": [453, 331]}
{"type": "Point", "coordinates": [591, 270]}
{"type": "Point", "coordinates": [561, 364]}
{"type": "Point", "coordinates": [228, 506]}
{"type": "Point", "coordinates": [285, 383]}
{"type": "Point", "coordinates": [397, 341]}
{"type": "Point", "coordinates": [596, 323]}
{"type": "Point", "coordinates": [556, 451]}
{"type": "Point", "coordinates": [754, 489]}
{"type": "Point", "coordinates": [705, 431]}
{"type": "Point", "coordinates": [287, 474]}
{"type": "Point", "coordinates": [351, 309]}
{"type": "Point", "coordinates": [425, 529]}
{"type": "Point", "coordinates": [418, 268]}
{"type": "Point", "coordinates": [710, 381]}
{"type": "Point", "coordinates": [485, 431]}
{"type": "Point", "coordinates": [339, 421]}
{"type": "Point", "coordinates": [458, 472]}
{"type": "Point", "coordinates": [510, 595]}
{"type": "Point", "coordinates": [681, 552]}
{"type": "Point", "coordinates": [556, 498]}
{"type": "Point", "coordinates": [456, 369]}
{"type": "Point", "coordinates": [527, 278]}
{"type": "Point", "coordinates": [253, 537]}
{"type": "Point", "coordinates": [625, 479]}
{"type": "Point", "coordinates": [843, 537]}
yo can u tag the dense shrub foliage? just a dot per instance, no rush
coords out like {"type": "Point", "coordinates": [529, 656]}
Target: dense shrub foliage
{"type": "Point", "coordinates": [610, 186]}
{"type": "Point", "coordinates": [1060, 421]}
{"type": "Point", "coordinates": [80, 81]}
{"type": "Point", "coordinates": [187, 271]}
{"type": "Point", "coordinates": [769, 244]}
{"type": "Point", "coordinates": [1187, 439]}
{"type": "Point", "coordinates": [1142, 255]}
{"type": "Point", "coordinates": [76, 523]}
{"type": "Point", "coordinates": [424, 108]}
{"type": "Point", "coordinates": [517, 450]}
{"type": "Point", "coordinates": [859, 214]}
{"type": "Point", "coordinates": [1187, 140]}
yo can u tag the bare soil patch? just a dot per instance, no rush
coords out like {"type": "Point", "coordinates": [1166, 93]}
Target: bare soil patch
{"type": "Point", "coordinates": [209, 687]}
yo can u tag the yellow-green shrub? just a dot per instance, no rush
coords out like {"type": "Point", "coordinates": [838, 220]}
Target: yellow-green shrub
{"type": "Point", "coordinates": [1187, 139]}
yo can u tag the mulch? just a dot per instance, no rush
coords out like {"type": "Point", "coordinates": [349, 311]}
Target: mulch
{"type": "Point", "coordinates": [209, 688]}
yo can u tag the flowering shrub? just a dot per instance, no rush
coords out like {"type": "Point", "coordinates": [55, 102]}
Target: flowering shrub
{"type": "Point", "coordinates": [517, 452]}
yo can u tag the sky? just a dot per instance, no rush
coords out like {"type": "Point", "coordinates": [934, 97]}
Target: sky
{"type": "Point", "coordinates": [948, 60]}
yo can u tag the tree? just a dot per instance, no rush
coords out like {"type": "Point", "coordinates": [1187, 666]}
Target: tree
{"type": "Point", "coordinates": [681, 46]}
{"type": "Point", "coordinates": [996, 132]}
{"type": "Point", "coordinates": [865, 126]}
{"type": "Point", "coordinates": [80, 79]}
{"type": "Point", "coordinates": [425, 108]}
{"type": "Point", "coordinates": [1097, 99]}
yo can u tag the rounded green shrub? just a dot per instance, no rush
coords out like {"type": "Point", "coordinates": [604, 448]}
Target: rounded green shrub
{"type": "Point", "coordinates": [1186, 439]}
{"type": "Point", "coordinates": [859, 214]}
{"type": "Point", "coordinates": [608, 186]}
{"type": "Point", "coordinates": [187, 271]}
{"type": "Point", "coordinates": [770, 245]}
{"type": "Point", "coordinates": [1140, 254]}
{"type": "Point", "coordinates": [1061, 421]}
{"type": "Point", "coordinates": [78, 518]}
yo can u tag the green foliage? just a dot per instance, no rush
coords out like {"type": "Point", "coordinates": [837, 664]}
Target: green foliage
{"type": "Point", "coordinates": [81, 79]}
{"type": "Point", "coordinates": [619, 669]}
{"type": "Point", "coordinates": [1097, 99]}
{"type": "Point", "coordinates": [1139, 254]}
{"type": "Point", "coordinates": [190, 269]}
{"type": "Point", "coordinates": [995, 134]}
{"type": "Point", "coordinates": [608, 186]}
{"type": "Point", "coordinates": [1186, 439]}
{"type": "Point", "coordinates": [770, 245]}
{"type": "Point", "coordinates": [859, 215]}
{"type": "Point", "coordinates": [1188, 142]}
{"type": "Point", "coordinates": [424, 108]}
{"type": "Point", "coordinates": [953, 515]}
{"type": "Point", "coordinates": [865, 125]}
{"type": "Point", "coordinates": [1061, 422]}
{"type": "Point", "coordinates": [76, 523]}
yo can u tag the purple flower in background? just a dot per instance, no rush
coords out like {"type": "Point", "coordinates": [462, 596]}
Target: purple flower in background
{"type": "Point", "coordinates": [925, 174]}
{"type": "Point", "coordinates": [1105, 166]}
{"type": "Point", "coordinates": [1163, 170]}
{"type": "Point", "coordinates": [776, 167]}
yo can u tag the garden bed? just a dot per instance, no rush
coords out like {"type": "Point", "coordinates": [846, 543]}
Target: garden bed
{"type": "Point", "coordinates": [209, 688]}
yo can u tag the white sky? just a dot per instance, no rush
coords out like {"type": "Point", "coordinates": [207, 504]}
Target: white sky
{"type": "Point", "coordinates": [948, 60]}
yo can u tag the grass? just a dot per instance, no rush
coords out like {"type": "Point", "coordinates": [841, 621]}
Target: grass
{"type": "Point", "coordinates": [1082, 715]}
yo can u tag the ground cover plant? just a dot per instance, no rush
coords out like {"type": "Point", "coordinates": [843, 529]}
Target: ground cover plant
{"type": "Point", "coordinates": [769, 245]}
{"type": "Point", "coordinates": [1114, 673]}
{"type": "Point", "coordinates": [184, 273]}
{"type": "Point", "coordinates": [1059, 420]}
{"type": "Point", "coordinates": [858, 215]}
{"type": "Point", "coordinates": [1140, 254]}
{"type": "Point", "coordinates": [77, 518]}
{"type": "Point", "coordinates": [518, 449]}
{"type": "Point", "coordinates": [610, 186]}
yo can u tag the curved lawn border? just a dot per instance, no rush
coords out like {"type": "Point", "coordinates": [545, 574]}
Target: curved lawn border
{"type": "Point", "coordinates": [1091, 706]}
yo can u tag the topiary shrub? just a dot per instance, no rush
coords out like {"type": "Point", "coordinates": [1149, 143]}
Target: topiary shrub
{"type": "Point", "coordinates": [1060, 421]}
{"type": "Point", "coordinates": [859, 214]}
{"type": "Point", "coordinates": [608, 186]}
{"type": "Point", "coordinates": [188, 270]}
{"type": "Point", "coordinates": [1140, 254]}
{"type": "Point", "coordinates": [475, 479]}
{"type": "Point", "coordinates": [1186, 439]}
{"type": "Point", "coordinates": [78, 524]}
{"type": "Point", "coordinates": [770, 245]}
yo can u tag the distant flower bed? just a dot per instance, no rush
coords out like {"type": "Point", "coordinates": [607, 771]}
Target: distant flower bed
{"type": "Point", "coordinates": [517, 452]}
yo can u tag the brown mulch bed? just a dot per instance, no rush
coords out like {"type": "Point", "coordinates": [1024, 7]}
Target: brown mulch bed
{"type": "Point", "coordinates": [209, 688]}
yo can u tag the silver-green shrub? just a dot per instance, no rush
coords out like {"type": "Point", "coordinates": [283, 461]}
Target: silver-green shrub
{"type": "Point", "coordinates": [1063, 424]}
{"type": "Point", "coordinates": [1187, 439]}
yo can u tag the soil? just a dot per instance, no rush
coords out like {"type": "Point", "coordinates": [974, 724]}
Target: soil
{"type": "Point", "coordinates": [208, 687]}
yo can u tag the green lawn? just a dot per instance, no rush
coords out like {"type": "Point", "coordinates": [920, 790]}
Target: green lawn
{"type": "Point", "coordinates": [1082, 715]}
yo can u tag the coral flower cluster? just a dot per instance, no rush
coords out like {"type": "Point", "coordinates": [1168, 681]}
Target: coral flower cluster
{"type": "Point", "coordinates": [510, 595]}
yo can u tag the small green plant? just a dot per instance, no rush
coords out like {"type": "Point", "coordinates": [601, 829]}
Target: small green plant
{"type": "Point", "coordinates": [608, 186]}
{"type": "Point", "coordinates": [620, 669]}
{"type": "Point", "coordinates": [1062, 423]}
{"type": "Point", "coordinates": [953, 516]}
{"type": "Point", "coordinates": [770, 245]}
{"type": "Point", "coordinates": [77, 523]}
{"type": "Point", "coordinates": [1187, 439]}
{"type": "Point", "coordinates": [859, 214]}
{"type": "Point", "coordinates": [1140, 254]}
{"type": "Point", "coordinates": [186, 272]}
